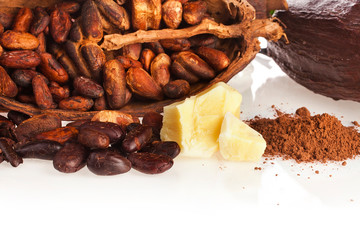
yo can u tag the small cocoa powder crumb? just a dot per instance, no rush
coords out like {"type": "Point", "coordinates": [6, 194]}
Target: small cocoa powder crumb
{"type": "Point", "coordinates": [307, 138]}
{"type": "Point", "coordinates": [317, 171]}
{"type": "Point", "coordinates": [356, 123]}
{"type": "Point", "coordinates": [257, 168]}
{"type": "Point", "coordinates": [343, 163]}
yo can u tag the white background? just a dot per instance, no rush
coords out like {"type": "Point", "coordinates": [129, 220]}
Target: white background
{"type": "Point", "coordinates": [197, 198]}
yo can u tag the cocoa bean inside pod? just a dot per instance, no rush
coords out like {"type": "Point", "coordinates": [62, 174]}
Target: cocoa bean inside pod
{"type": "Point", "coordinates": [88, 88]}
{"type": "Point", "coordinates": [23, 20]}
{"type": "Point", "coordinates": [146, 14]}
{"type": "Point", "coordinates": [177, 89]}
{"type": "Point", "coordinates": [160, 69]}
{"type": "Point", "coordinates": [20, 59]}
{"type": "Point", "coordinates": [40, 22]}
{"type": "Point", "coordinates": [76, 103]}
{"type": "Point", "coordinates": [115, 13]}
{"type": "Point", "coordinates": [60, 25]}
{"type": "Point", "coordinates": [91, 21]}
{"type": "Point", "coordinates": [194, 12]}
{"type": "Point", "coordinates": [172, 11]}
{"type": "Point", "coordinates": [95, 58]}
{"type": "Point", "coordinates": [18, 40]}
{"type": "Point", "coordinates": [42, 94]}
{"type": "Point", "coordinates": [8, 87]}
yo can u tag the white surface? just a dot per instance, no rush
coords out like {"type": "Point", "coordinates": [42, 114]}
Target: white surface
{"type": "Point", "coordinates": [197, 198]}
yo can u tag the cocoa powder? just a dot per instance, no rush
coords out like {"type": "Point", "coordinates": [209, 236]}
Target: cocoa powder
{"type": "Point", "coordinates": [307, 138]}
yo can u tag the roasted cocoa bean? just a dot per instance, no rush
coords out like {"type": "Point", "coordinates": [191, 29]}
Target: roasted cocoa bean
{"type": "Point", "coordinates": [6, 19]}
{"type": "Point", "coordinates": [42, 92]}
{"type": "Point", "coordinates": [112, 130]}
{"type": "Point", "coordinates": [76, 35]}
{"type": "Point", "coordinates": [43, 149]}
{"type": "Point", "coordinates": [150, 163]}
{"type": "Point", "coordinates": [88, 88]}
{"type": "Point", "coordinates": [8, 87]}
{"type": "Point", "coordinates": [177, 89]}
{"type": "Point", "coordinates": [76, 103]}
{"type": "Point", "coordinates": [26, 98]}
{"type": "Point", "coordinates": [155, 47]}
{"type": "Point", "coordinates": [207, 40]}
{"type": "Point", "coordinates": [91, 21]}
{"type": "Point", "coordinates": [7, 128]}
{"type": "Point", "coordinates": [137, 139]}
{"type": "Point", "coordinates": [40, 22]}
{"type": "Point", "coordinates": [58, 92]}
{"type": "Point", "coordinates": [146, 58]}
{"type": "Point", "coordinates": [68, 6]}
{"type": "Point", "coordinates": [60, 135]}
{"type": "Point", "coordinates": [52, 69]}
{"type": "Point", "coordinates": [60, 24]}
{"type": "Point", "coordinates": [107, 162]}
{"type": "Point", "coordinates": [92, 138]}
{"type": "Point", "coordinates": [1, 50]}
{"type": "Point", "coordinates": [42, 43]}
{"type": "Point", "coordinates": [114, 82]}
{"type": "Point", "coordinates": [95, 57]}
{"type": "Point", "coordinates": [23, 20]}
{"type": "Point", "coordinates": [179, 71]}
{"type": "Point", "coordinates": [142, 84]}
{"type": "Point", "coordinates": [14, 40]}
{"type": "Point", "coordinates": [172, 11]}
{"type": "Point", "coordinates": [71, 158]}
{"type": "Point", "coordinates": [9, 153]}
{"type": "Point", "coordinates": [73, 51]}
{"type": "Point", "coordinates": [61, 56]}
{"type": "Point", "coordinates": [153, 119]}
{"type": "Point", "coordinates": [160, 69]}
{"type": "Point", "coordinates": [100, 104]}
{"type": "Point", "coordinates": [128, 62]}
{"type": "Point", "coordinates": [168, 148]}
{"type": "Point", "coordinates": [215, 58]}
{"type": "Point", "coordinates": [146, 14]}
{"type": "Point", "coordinates": [20, 59]}
{"type": "Point", "coordinates": [194, 12]}
{"type": "Point", "coordinates": [132, 126]}
{"type": "Point", "coordinates": [177, 45]}
{"type": "Point", "coordinates": [115, 13]}
{"type": "Point", "coordinates": [132, 51]}
{"type": "Point", "coordinates": [17, 117]}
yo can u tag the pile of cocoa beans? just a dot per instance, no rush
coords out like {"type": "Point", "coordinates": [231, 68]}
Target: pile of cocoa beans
{"type": "Point", "coordinates": [106, 148]}
{"type": "Point", "coordinates": [51, 58]}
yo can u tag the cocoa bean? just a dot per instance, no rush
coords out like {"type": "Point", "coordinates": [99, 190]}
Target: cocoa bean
{"type": "Point", "coordinates": [128, 62]}
{"type": "Point", "coordinates": [146, 14]}
{"type": "Point", "coordinates": [76, 124]}
{"type": "Point", "coordinates": [136, 139]}
{"type": "Point", "coordinates": [215, 58]}
{"type": "Point", "coordinates": [60, 24]}
{"type": "Point", "coordinates": [6, 19]}
{"type": "Point", "coordinates": [42, 92]}
{"type": "Point", "coordinates": [23, 20]}
{"type": "Point", "coordinates": [73, 52]}
{"type": "Point", "coordinates": [7, 128]}
{"type": "Point", "coordinates": [115, 13]}
{"type": "Point", "coordinates": [14, 40]}
{"type": "Point", "coordinates": [177, 89]}
{"type": "Point", "coordinates": [150, 163]}
{"type": "Point", "coordinates": [155, 47]}
{"type": "Point", "coordinates": [194, 12]}
{"type": "Point", "coordinates": [114, 82]}
{"type": "Point", "coordinates": [153, 119]}
{"type": "Point", "coordinates": [17, 117]}
{"type": "Point", "coordinates": [8, 87]}
{"type": "Point", "coordinates": [61, 56]}
{"type": "Point", "coordinates": [9, 153]}
{"type": "Point", "coordinates": [177, 45]}
{"type": "Point", "coordinates": [60, 135]}
{"type": "Point", "coordinates": [71, 158]}
{"type": "Point", "coordinates": [92, 138]}
{"type": "Point", "coordinates": [76, 35]}
{"type": "Point", "coordinates": [112, 130]}
{"type": "Point", "coordinates": [69, 6]}
{"type": "Point", "coordinates": [160, 69]}
{"type": "Point", "coordinates": [52, 69]}
{"type": "Point", "coordinates": [168, 148]}
{"type": "Point", "coordinates": [172, 11]}
{"type": "Point", "coordinates": [146, 58]}
{"type": "Point", "coordinates": [40, 22]}
{"type": "Point", "coordinates": [23, 77]}
{"type": "Point", "coordinates": [76, 103]}
{"type": "Point", "coordinates": [88, 88]}
{"type": "Point", "coordinates": [132, 51]}
{"type": "Point", "coordinates": [179, 71]}
{"type": "Point", "coordinates": [107, 163]}
{"type": "Point", "coordinates": [142, 84]}
{"type": "Point", "coordinates": [58, 92]}
{"type": "Point", "coordinates": [42, 149]}
{"type": "Point", "coordinates": [100, 103]}
{"type": "Point", "coordinates": [95, 58]}
{"type": "Point", "coordinates": [207, 40]}
{"type": "Point", "coordinates": [20, 59]}
{"type": "Point", "coordinates": [91, 21]}
{"type": "Point", "coordinates": [26, 98]}
{"type": "Point", "coordinates": [132, 126]}
{"type": "Point", "coordinates": [42, 43]}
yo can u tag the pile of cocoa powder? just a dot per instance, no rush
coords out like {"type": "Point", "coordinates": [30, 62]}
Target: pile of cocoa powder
{"type": "Point", "coordinates": [307, 138]}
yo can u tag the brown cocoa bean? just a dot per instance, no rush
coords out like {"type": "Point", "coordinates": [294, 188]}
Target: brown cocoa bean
{"type": "Point", "coordinates": [215, 58]}
{"type": "Point", "coordinates": [112, 130]}
{"type": "Point", "coordinates": [100, 103]}
{"type": "Point", "coordinates": [155, 47]}
{"type": "Point", "coordinates": [17, 117]}
{"type": "Point", "coordinates": [76, 103]}
{"type": "Point", "coordinates": [73, 52]}
{"type": "Point", "coordinates": [146, 14]}
{"type": "Point", "coordinates": [177, 89]}
{"type": "Point", "coordinates": [68, 6]}
{"type": "Point", "coordinates": [177, 45]}
{"type": "Point", "coordinates": [194, 12]}
{"type": "Point", "coordinates": [23, 20]}
{"type": "Point", "coordinates": [7, 128]}
{"type": "Point", "coordinates": [146, 58]}
{"type": "Point", "coordinates": [52, 69]}
{"type": "Point", "coordinates": [60, 24]}
{"type": "Point", "coordinates": [120, 118]}
{"type": "Point", "coordinates": [6, 19]}
{"type": "Point", "coordinates": [128, 96]}
{"type": "Point", "coordinates": [150, 163]}
{"type": "Point", "coordinates": [114, 82]}
{"type": "Point", "coordinates": [172, 11]}
{"type": "Point", "coordinates": [71, 158]}
{"type": "Point", "coordinates": [107, 163]}
{"type": "Point", "coordinates": [160, 69]}
{"type": "Point", "coordinates": [20, 59]}
{"type": "Point", "coordinates": [42, 92]}
{"type": "Point", "coordinates": [136, 139]}
{"type": "Point", "coordinates": [26, 98]}
{"type": "Point", "coordinates": [8, 87]}
{"type": "Point", "coordinates": [169, 148]}
{"type": "Point", "coordinates": [87, 87]}
{"type": "Point", "coordinates": [9, 153]}
{"type": "Point", "coordinates": [76, 35]}
{"type": "Point", "coordinates": [61, 56]}
{"type": "Point", "coordinates": [91, 21]}
{"type": "Point", "coordinates": [128, 62]}
{"type": "Point", "coordinates": [58, 92]}
{"type": "Point", "coordinates": [132, 51]}
{"type": "Point", "coordinates": [40, 22]}
{"type": "Point", "coordinates": [179, 71]}
{"type": "Point", "coordinates": [142, 84]}
{"type": "Point", "coordinates": [23, 77]}
{"type": "Point", "coordinates": [116, 14]}
{"type": "Point", "coordinates": [14, 40]}
{"type": "Point", "coordinates": [153, 119]}
{"type": "Point", "coordinates": [60, 135]}
{"type": "Point", "coordinates": [207, 40]}
{"type": "Point", "coordinates": [95, 57]}
{"type": "Point", "coordinates": [43, 149]}
{"type": "Point", "coordinates": [42, 43]}
{"type": "Point", "coordinates": [36, 125]}
{"type": "Point", "coordinates": [92, 138]}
